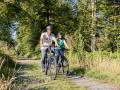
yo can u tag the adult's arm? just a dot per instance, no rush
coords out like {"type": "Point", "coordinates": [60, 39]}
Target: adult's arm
{"type": "Point", "coordinates": [54, 39]}
{"type": "Point", "coordinates": [41, 40]}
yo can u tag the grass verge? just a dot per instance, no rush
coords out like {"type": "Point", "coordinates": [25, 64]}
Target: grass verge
{"type": "Point", "coordinates": [7, 72]}
{"type": "Point", "coordinates": [103, 66]}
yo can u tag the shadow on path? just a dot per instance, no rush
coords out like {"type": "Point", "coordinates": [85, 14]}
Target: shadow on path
{"type": "Point", "coordinates": [78, 72]}
{"type": "Point", "coordinates": [26, 80]}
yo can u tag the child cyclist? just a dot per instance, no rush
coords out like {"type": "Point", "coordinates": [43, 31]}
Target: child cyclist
{"type": "Point", "coordinates": [62, 45]}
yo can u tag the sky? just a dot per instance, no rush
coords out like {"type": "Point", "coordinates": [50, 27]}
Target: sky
{"type": "Point", "coordinates": [13, 28]}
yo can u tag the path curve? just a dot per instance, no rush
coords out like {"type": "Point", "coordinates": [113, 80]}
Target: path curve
{"type": "Point", "coordinates": [92, 84]}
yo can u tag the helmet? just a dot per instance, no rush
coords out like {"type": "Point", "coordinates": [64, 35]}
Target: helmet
{"type": "Point", "coordinates": [59, 33]}
{"type": "Point", "coordinates": [49, 27]}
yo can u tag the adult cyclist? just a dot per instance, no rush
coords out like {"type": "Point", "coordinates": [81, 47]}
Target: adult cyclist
{"type": "Point", "coordinates": [46, 40]}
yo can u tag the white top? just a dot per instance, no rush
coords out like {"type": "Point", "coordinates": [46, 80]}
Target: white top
{"type": "Point", "coordinates": [47, 39]}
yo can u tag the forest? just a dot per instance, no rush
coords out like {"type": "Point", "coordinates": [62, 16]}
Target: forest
{"type": "Point", "coordinates": [91, 29]}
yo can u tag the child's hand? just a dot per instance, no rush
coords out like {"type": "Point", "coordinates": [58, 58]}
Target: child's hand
{"type": "Point", "coordinates": [67, 49]}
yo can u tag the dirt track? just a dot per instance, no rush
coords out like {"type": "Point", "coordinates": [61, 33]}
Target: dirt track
{"type": "Point", "coordinates": [80, 81]}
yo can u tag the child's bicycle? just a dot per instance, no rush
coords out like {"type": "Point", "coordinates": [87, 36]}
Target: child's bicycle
{"type": "Point", "coordinates": [63, 64]}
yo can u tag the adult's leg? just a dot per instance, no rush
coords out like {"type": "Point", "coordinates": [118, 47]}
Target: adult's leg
{"type": "Point", "coordinates": [43, 53]}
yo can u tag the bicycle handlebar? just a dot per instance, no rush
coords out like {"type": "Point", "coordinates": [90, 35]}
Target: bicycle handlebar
{"type": "Point", "coordinates": [54, 47]}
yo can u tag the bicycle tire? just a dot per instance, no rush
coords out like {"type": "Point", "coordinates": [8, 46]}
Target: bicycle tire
{"type": "Point", "coordinates": [65, 66]}
{"type": "Point", "coordinates": [46, 66]}
{"type": "Point", "coordinates": [52, 67]}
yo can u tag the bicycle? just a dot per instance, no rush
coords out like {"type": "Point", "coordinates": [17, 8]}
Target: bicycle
{"type": "Point", "coordinates": [63, 64]}
{"type": "Point", "coordinates": [51, 64]}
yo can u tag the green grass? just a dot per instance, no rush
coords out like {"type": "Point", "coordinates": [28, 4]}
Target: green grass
{"type": "Point", "coordinates": [98, 75]}
{"type": "Point", "coordinates": [100, 65]}
{"type": "Point", "coordinates": [7, 71]}
{"type": "Point", "coordinates": [7, 66]}
{"type": "Point", "coordinates": [31, 78]}
{"type": "Point", "coordinates": [106, 76]}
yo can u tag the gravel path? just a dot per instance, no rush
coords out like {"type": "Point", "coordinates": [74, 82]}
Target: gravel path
{"type": "Point", "coordinates": [92, 84]}
{"type": "Point", "coordinates": [30, 77]}
{"type": "Point", "coordinates": [81, 81]}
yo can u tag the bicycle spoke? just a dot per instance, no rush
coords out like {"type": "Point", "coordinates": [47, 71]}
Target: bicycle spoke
{"type": "Point", "coordinates": [65, 67]}
{"type": "Point", "coordinates": [53, 69]}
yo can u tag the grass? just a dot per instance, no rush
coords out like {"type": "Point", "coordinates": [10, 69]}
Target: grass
{"type": "Point", "coordinates": [106, 76]}
{"type": "Point", "coordinates": [98, 65]}
{"type": "Point", "coordinates": [31, 78]}
{"type": "Point", "coordinates": [7, 84]}
{"type": "Point", "coordinates": [7, 65]}
{"type": "Point", "coordinates": [7, 72]}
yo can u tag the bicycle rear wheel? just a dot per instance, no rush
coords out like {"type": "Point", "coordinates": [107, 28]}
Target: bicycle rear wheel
{"type": "Point", "coordinates": [65, 66]}
{"type": "Point", "coordinates": [52, 67]}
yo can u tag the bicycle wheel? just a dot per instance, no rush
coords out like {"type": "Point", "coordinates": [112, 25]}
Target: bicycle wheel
{"type": "Point", "coordinates": [52, 67]}
{"type": "Point", "coordinates": [65, 66]}
{"type": "Point", "coordinates": [46, 66]}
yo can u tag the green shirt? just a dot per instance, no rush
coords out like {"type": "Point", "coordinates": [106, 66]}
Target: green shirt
{"type": "Point", "coordinates": [61, 43]}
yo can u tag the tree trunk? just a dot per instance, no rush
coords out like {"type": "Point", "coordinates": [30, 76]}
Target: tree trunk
{"type": "Point", "coordinates": [93, 39]}
{"type": "Point", "coordinates": [93, 43]}
{"type": "Point", "coordinates": [48, 17]}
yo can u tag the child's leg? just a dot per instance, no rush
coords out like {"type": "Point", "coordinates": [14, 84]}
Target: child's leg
{"type": "Point", "coordinates": [62, 53]}
{"type": "Point", "coordinates": [57, 56]}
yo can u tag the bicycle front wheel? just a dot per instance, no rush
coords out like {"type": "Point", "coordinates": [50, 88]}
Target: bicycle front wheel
{"type": "Point", "coordinates": [46, 66]}
{"type": "Point", "coordinates": [52, 67]}
{"type": "Point", "coordinates": [65, 66]}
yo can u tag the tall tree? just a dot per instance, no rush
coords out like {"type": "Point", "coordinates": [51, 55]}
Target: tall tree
{"type": "Point", "coordinates": [36, 14]}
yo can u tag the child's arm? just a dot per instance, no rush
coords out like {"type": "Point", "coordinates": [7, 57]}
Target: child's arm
{"type": "Point", "coordinates": [66, 46]}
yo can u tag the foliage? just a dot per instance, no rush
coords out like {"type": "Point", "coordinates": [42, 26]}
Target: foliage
{"type": "Point", "coordinates": [36, 17]}
{"type": "Point", "coordinates": [7, 65]}
{"type": "Point", "coordinates": [98, 65]}
{"type": "Point", "coordinates": [88, 25]}
{"type": "Point", "coordinates": [105, 21]}
{"type": "Point", "coordinates": [33, 16]}
{"type": "Point", "coordinates": [7, 72]}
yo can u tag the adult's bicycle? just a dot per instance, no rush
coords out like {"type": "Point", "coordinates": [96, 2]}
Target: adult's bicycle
{"type": "Point", "coordinates": [50, 63]}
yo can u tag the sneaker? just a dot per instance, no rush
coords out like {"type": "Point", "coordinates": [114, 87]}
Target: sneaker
{"type": "Point", "coordinates": [43, 70]}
